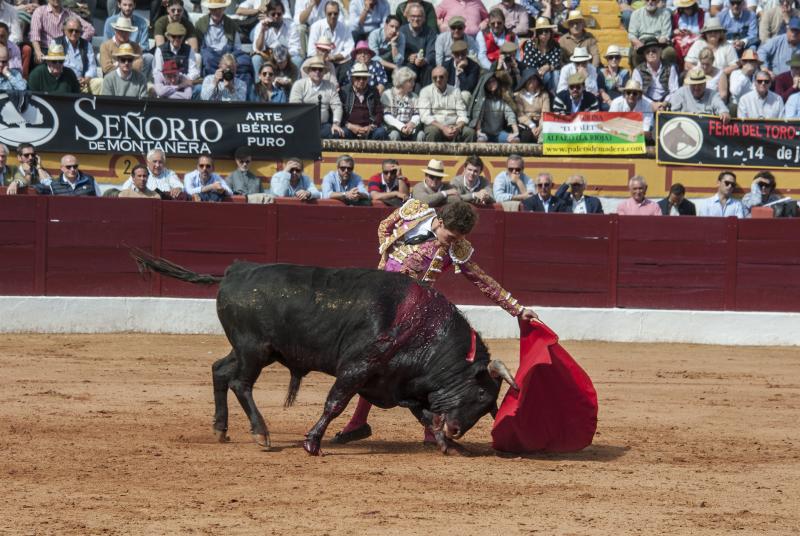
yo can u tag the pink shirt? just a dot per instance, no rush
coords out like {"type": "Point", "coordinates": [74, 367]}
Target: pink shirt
{"type": "Point", "coordinates": [629, 207]}
{"type": "Point", "coordinates": [473, 12]}
{"type": "Point", "coordinates": [46, 25]}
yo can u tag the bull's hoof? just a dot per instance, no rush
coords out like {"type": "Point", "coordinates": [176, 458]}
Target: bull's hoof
{"type": "Point", "coordinates": [454, 449]}
{"type": "Point", "coordinates": [221, 435]}
{"type": "Point", "coordinates": [362, 432]}
{"type": "Point", "coordinates": [312, 447]}
{"type": "Point", "coordinates": [262, 440]}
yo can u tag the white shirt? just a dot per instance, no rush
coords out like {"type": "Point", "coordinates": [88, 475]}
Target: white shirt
{"type": "Point", "coordinates": [579, 207]}
{"type": "Point", "coordinates": [724, 56]}
{"type": "Point", "coordinates": [740, 84]}
{"type": "Point", "coordinates": [164, 182]}
{"type": "Point", "coordinates": [317, 13]}
{"type": "Point", "coordinates": [570, 69]}
{"type": "Point", "coordinates": [256, 4]}
{"type": "Point", "coordinates": [644, 105]}
{"type": "Point", "coordinates": [194, 63]}
{"type": "Point", "coordinates": [286, 35]}
{"type": "Point", "coordinates": [422, 228]}
{"type": "Point", "coordinates": [752, 106]}
{"type": "Point", "coordinates": [341, 38]}
{"type": "Point", "coordinates": [192, 183]}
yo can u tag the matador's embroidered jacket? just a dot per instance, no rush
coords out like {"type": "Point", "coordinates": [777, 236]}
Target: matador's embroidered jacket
{"type": "Point", "coordinates": [424, 262]}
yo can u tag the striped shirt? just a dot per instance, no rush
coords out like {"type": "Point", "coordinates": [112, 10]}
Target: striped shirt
{"type": "Point", "coordinates": [46, 25]}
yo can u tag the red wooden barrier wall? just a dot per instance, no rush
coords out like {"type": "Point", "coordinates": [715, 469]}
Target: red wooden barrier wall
{"type": "Point", "coordinates": [79, 247]}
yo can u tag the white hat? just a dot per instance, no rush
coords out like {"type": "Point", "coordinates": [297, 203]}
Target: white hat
{"type": "Point", "coordinates": [435, 168]}
{"type": "Point", "coordinates": [123, 24]}
{"type": "Point", "coordinates": [212, 4]}
{"type": "Point", "coordinates": [580, 54]}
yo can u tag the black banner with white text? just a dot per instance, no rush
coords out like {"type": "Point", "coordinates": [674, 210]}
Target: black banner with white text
{"type": "Point", "coordinates": [90, 124]}
{"type": "Point", "coordinates": [704, 140]}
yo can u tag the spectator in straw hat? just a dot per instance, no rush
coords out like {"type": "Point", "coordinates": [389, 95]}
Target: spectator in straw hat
{"type": "Point", "coordinates": [366, 56]}
{"type": "Point", "coordinates": [141, 32]}
{"type": "Point", "coordinates": [658, 79]}
{"type": "Point", "coordinates": [51, 76]}
{"type": "Point", "coordinates": [761, 103]}
{"type": "Point", "coordinates": [175, 13]}
{"type": "Point", "coordinates": [788, 83]}
{"type": "Point", "coordinates": [541, 52]}
{"type": "Point", "coordinates": [362, 109]}
{"type": "Point", "coordinates": [611, 77]}
{"type": "Point", "coordinates": [179, 51]}
{"type": "Point", "coordinates": [170, 83]}
{"type": "Point", "coordinates": [318, 91]}
{"type": "Point", "coordinates": [125, 81]}
{"type": "Point", "coordinates": [741, 26]}
{"type": "Point", "coordinates": [463, 73]}
{"type": "Point", "coordinates": [580, 63]}
{"type": "Point", "coordinates": [432, 190]}
{"type": "Point", "coordinates": [46, 26]}
{"type": "Point", "coordinates": [578, 37]}
{"type": "Point", "coordinates": [324, 48]}
{"type": "Point", "coordinates": [632, 100]}
{"type": "Point", "coordinates": [388, 44]}
{"type": "Point", "coordinates": [776, 54]}
{"type": "Point", "coordinates": [575, 98]}
{"type": "Point", "coordinates": [695, 98]}
{"type": "Point", "coordinates": [122, 35]}
{"type": "Point", "coordinates": [742, 79]}
{"type": "Point", "coordinates": [445, 40]}
{"type": "Point", "coordinates": [713, 36]}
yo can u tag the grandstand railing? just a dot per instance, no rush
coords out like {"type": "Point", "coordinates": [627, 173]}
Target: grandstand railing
{"type": "Point", "coordinates": [79, 247]}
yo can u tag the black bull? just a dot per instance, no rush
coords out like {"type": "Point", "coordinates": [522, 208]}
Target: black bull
{"type": "Point", "coordinates": [382, 335]}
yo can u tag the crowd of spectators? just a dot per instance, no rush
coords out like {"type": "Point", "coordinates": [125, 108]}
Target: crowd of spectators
{"type": "Point", "coordinates": [512, 189]}
{"type": "Point", "coordinates": [462, 70]}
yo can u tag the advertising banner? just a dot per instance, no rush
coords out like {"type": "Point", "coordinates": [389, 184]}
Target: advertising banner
{"type": "Point", "coordinates": [592, 133]}
{"type": "Point", "coordinates": [90, 124]}
{"type": "Point", "coordinates": [704, 140]}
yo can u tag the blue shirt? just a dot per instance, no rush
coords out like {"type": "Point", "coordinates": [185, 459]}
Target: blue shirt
{"type": "Point", "coordinates": [379, 45]}
{"type": "Point", "coordinates": [792, 108]}
{"type": "Point", "coordinates": [744, 28]}
{"type": "Point", "coordinates": [280, 185]}
{"type": "Point", "coordinates": [504, 188]}
{"type": "Point", "coordinates": [713, 207]}
{"type": "Point", "coordinates": [278, 95]}
{"type": "Point", "coordinates": [140, 36]}
{"type": "Point", "coordinates": [331, 184]}
{"type": "Point", "coordinates": [14, 82]}
{"type": "Point", "coordinates": [192, 183]}
{"type": "Point", "coordinates": [776, 53]}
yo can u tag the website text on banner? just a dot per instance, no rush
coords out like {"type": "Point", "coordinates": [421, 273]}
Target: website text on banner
{"type": "Point", "coordinates": [704, 140]}
{"type": "Point", "coordinates": [64, 124]}
{"type": "Point", "coordinates": [592, 133]}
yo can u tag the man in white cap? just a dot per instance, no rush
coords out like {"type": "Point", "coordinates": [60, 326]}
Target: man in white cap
{"type": "Point", "coordinates": [46, 25]}
{"type": "Point", "coordinates": [433, 191]}
{"type": "Point", "coordinates": [761, 103]}
{"type": "Point", "coordinates": [694, 98]}
{"type": "Point", "coordinates": [52, 77]}
{"type": "Point", "coordinates": [632, 100]}
{"type": "Point", "coordinates": [140, 35]}
{"type": "Point", "coordinates": [578, 37]}
{"type": "Point", "coordinates": [318, 91]}
{"type": "Point", "coordinates": [123, 28]}
{"type": "Point", "coordinates": [579, 63]}
{"type": "Point", "coordinates": [125, 81]}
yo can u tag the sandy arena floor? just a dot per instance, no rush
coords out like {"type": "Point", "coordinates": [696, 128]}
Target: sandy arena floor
{"type": "Point", "coordinates": [112, 435]}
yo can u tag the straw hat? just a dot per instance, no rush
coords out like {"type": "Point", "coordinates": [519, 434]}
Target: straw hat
{"type": "Point", "coordinates": [324, 43]}
{"type": "Point", "coordinates": [55, 52]}
{"type": "Point", "coordinates": [543, 23]}
{"type": "Point", "coordinates": [362, 46]}
{"type": "Point", "coordinates": [459, 45]}
{"type": "Point", "coordinates": [125, 50]}
{"type": "Point", "coordinates": [696, 76]}
{"type": "Point", "coordinates": [684, 3]}
{"type": "Point", "coordinates": [123, 24]}
{"type": "Point", "coordinates": [580, 54]}
{"type": "Point", "coordinates": [176, 29]}
{"type": "Point", "coordinates": [632, 85]}
{"type": "Point", "coordinates": [435, 168]}
{"type": "Point", "coordinates": [359, 71]}
{"type": "Point", "coordinates": [574, 15]}
{"type": "Point", "coordinates": [457, 22]}
{"type": "Point", "coordinates": [217, 5]}
{"type": "Point", "coordinates": [315, 61]}
{"type": "Point", "coordinates": [575, 79]}
{"type": "Point", "coordinates": [712, 25]}
{"type": "Point", "coordinates": [613, 50]}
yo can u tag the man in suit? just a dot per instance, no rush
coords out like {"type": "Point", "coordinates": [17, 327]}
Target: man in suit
{"type": "Point", "coordinates": [676, 204]}
{"type": "Point", "coordinates": [576, 201]}
{"type": "Point", "coordinates": [543, 200]}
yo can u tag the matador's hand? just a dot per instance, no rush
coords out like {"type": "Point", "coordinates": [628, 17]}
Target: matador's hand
{"type": "Point", "coordinates": [529, 316]}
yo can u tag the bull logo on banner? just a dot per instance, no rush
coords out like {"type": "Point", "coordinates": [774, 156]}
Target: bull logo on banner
{"type": "Point", "coordinates": [24, 120]}
{"type": "Point", "coordinates": [681, 138]}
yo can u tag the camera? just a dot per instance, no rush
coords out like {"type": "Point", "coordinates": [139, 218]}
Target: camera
{"type": "Point", "coordinates": [227, 75]}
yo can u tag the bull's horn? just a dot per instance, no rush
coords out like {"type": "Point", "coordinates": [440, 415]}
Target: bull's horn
{"type": "Point", "coordinates": [498, 369]}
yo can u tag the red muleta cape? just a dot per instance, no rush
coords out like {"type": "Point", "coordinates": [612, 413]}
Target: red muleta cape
{"type": "Point", "coordinates": [555, 409]}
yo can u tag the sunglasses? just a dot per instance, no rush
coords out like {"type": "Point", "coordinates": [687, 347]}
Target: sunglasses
{"type": "Point", "coordinates": [71, 166]}
{"type": "Point", "coordinates": [762, 81]}
{"type": "Point", "coordinates": [204, 166]}
{"type": "Point", "coordinates": [544, 185]}
{"type": "Point", "coordinates": [631, 93]}
{"type": "Point", "coordinates": [245, 161]}
{"type": "Point", "coordinates": [576, 86]}
{"type": "Point", "coordinates": [267, 73]}
{"type": "Point", "coordinates": [770, 185]}
{"type": "Point", "coordinates": [27, 155]}
{"type": "Point", "coordinates": [390, 172]}
{"type": "Point", "coordinates": [73, 30]}
{"type": "Point", "coordinates": [316, 69]}
{"type": "Point", "coordinates": [294, 170]}
{"type": "Point", "coordinates": [345, 168]}
{"type": "Point", "coordinates": [613, 57]}
{"type": "Point", "coordinates": [514, 169]}
{"type": "Point", "coordinates": [126, 60]}
{"type": "Point", "coordinates": [729, 183]}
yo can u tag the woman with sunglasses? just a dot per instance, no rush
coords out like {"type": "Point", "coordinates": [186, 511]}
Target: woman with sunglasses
{"type": "Point", "coordinates": [265, 90]}
{"type": "Point", "coordinates": [543, 53]}
{"type": "Point", "coordinates": [611, 78]}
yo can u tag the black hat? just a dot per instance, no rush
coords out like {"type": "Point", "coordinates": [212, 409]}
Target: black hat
{"type": "Point", "coordinates": [650, 41]}
{"type": "Point", "coordinates": [526, 75]}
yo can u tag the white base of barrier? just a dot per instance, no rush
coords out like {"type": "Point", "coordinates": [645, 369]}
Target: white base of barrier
{"type": "Point", "coordinates": [37, 314]}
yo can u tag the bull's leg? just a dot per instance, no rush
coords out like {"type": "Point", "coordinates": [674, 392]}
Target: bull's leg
{"type": "Point", "coordinates": [221, 372]}
{"type": "Point", "coordinates": [242, 386]}
{"type": "Point", "coordinates": [343, 390]}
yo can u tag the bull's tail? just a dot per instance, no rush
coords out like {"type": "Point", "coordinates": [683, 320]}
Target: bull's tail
{"type": "Point", "coordinates": [294, 387]}
{"type": "Point", "coordinates": [151, 263]}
